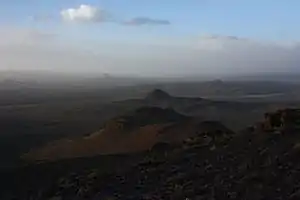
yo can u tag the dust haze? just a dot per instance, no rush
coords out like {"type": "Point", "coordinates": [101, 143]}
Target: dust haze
{"type": "Point", "coordinates": [211, 55]}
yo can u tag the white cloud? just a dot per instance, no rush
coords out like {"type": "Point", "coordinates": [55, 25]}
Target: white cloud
{"type": "Point", "coordinates": [89, 13]}
{"type": "Point", "coordinates": [84, 13]}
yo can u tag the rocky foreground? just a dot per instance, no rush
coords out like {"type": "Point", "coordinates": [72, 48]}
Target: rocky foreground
{"type": "Point", "coordinates": [260, 163]}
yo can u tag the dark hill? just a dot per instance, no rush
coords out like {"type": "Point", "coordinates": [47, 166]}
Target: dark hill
{"type": "Point", "coordinates": [228, 112]}
{"type": "Point", "coordinates": [134, 132]}
{"type": "Point", "coordinates": [158, 95]}
{"type": "Point", "coordinates": [253, 165]}
{"type": "Point", "coordinates": [149, 115]}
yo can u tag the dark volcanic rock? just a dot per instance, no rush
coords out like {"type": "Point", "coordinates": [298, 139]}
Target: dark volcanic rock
{"type": "Point", "coordinates": [253, 165]}
{"type": "Point", "coordinates": [161, 147]}
{"type": "Point", "coordinates": [282, 121]}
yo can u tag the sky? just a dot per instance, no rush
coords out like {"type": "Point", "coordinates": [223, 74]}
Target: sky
{"type": "Point", "coordinates": [157, 38]}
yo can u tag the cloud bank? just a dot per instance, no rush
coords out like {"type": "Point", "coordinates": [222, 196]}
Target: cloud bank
{"type": "Point", "coordinates": [28, 49]}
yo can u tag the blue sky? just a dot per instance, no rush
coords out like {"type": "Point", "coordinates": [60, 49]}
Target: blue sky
{"type": "Point", "coordinates": [152, 37]}
{"type": "Point", "coordinates": [267, 19]}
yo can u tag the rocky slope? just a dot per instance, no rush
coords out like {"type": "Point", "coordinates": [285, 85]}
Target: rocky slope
{"type": "Point", "coordinates": [260, 163]}
{"type": "Point", "coordinates": [136, 131]}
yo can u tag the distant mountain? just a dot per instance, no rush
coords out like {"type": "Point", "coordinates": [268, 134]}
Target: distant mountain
{"type": "Point", "coordinates": [43, 115]}
{"type": "Point", "coordinates": [159, 117]}
{"type": "Point", "coordinates": [133, 132]}
{"type": "Point", "coordinates": [291, 76]}
{"type": "Point", "coordinates": [158, 95]}
{"type": "Point", "coordinates": [74, 116]}
{"type": "Point", "coordinates": [228, 112]}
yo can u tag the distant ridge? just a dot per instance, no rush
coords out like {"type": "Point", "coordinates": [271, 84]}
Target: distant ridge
{"type": "Point", "coordinates": [146, 116]}
{"type": "Point", "coordinates": [136, 131]}
{"type": "Point", "coordinates": [158, 94]}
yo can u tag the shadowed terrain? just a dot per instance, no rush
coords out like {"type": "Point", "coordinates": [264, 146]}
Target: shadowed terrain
{"type": "Point", "coordinates": [32, 116]}
{"type": "Point", "coordinates": [212, 163]}
{"type": "Point", "coordinates": [140, 129]}
{"type": "Point", "coordinates": [195, 140]}
{"type": "Point", "coordinates": [134, 132]}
